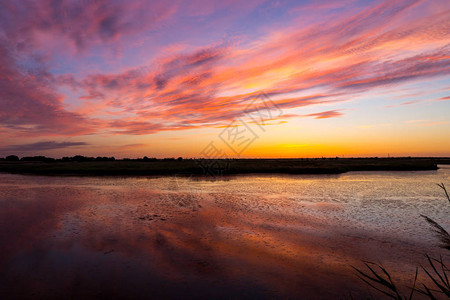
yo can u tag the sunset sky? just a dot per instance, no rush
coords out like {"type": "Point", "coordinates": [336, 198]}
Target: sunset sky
{"type": "Point", "coordinates": [168, 78]}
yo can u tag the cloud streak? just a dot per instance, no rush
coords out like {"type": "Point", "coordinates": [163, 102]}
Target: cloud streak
{"type": "Point", "coordinates": [41, 146]}
{"type": "Point", "coordinates": [325, 114]}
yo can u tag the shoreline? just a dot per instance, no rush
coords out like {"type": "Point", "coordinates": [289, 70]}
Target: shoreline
{"type": "Point", "coordinates": [207, 167]}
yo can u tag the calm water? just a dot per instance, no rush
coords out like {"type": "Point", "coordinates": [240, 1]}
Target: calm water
{"type": "Point", "coordinates": [264, 236]}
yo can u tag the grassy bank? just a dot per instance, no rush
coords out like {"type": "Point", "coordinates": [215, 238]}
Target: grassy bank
{"type": "Point", "coordinates": [217, 167]}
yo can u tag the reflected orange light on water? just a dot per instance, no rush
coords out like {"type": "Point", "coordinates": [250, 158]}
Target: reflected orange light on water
{"type": "Point", "coordinates": [256, 235]}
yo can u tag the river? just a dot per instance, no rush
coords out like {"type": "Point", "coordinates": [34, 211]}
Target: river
{"type": "Point", "coordinates": [264, 236]}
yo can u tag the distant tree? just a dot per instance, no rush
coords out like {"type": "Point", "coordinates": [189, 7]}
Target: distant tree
{"type": "Point", "coordinates": [12, 158]}
{"type": "Point", "coordinates": [1, 158]}
{"type": "Point", "coordinates": [179, 158]}
{"type": "Point", "coordinates": [104, 158]}
{"type": "Point", "coordinates": [29, 158]}
{"type": "Point", "coordinates": [78, 158]}
{"type": "Point", "coordinates": [37, 158]}
{"type": "Point", "coordinates": [81, 158]}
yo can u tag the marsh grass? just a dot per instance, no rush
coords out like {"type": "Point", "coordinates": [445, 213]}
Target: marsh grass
{"type": "Point", "coordinates": [442, 186]}
{"type": "Point", "coordinates": [380, 279]}
{"type": "Point", "coordinates": [441, 233]}
{"type": "Point", "coordinates": [376, 275]}
{"type": "Point", "coordinates": [438, 276]}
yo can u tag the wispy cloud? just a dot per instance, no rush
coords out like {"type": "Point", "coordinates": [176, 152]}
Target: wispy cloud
{"type": "Point", "coordinates": [325, 114]}
{"type": "Point", "coordinates": [42, 146]}
{"type": "Point", "coordinates": [431, 123]}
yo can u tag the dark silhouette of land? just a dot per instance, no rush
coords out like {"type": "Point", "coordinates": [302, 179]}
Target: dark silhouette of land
{"type": "Point", "coordinates": [104, 166]}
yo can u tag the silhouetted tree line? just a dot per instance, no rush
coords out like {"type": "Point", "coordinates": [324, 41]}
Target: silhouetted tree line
{"type": "Point", "coordinates": [81, 158]}
{"type": "Point", "coordinates": [37, 158]}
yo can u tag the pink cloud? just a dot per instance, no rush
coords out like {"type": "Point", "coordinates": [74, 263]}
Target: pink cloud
{"type": "Point", "coordinates": [83, 23]}
{"type": "Point", "coordinates": [208, 85]}
{"type": "Point", "coordinates": [29, 104]}
{"type": "Point", "coordinates": [325, 114]}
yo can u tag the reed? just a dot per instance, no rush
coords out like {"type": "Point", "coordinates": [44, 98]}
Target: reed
{"type": "Point", "coordinates": [377, 277]}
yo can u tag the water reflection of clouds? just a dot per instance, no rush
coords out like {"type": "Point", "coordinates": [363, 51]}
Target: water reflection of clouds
{"type": "Point", "coordinates": [28, 215]}
{"type": "Point", "coordinates": [90, 241]}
